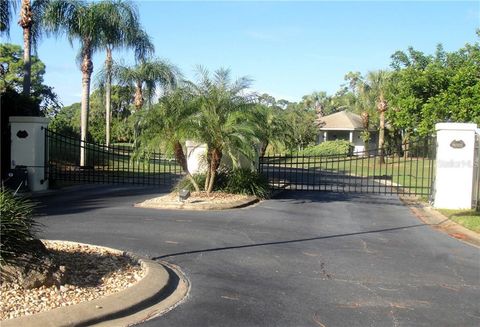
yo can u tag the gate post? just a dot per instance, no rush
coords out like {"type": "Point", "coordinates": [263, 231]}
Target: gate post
{"type": "Point", "coordinates": [28, 148]}
{"type": "Point", "coordinates": [455, 165]}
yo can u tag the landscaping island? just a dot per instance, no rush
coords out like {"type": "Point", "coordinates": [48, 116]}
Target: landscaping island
{"type": "Point", "coordinates": [200, 201]}
{"type": "Point", "coordinates": [86, 272]}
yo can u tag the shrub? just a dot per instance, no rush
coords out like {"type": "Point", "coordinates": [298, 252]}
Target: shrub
{"type": "Point", "coordinates": [245, 181]}
{"type": "Point", "coordinates": [329, 148]}
{"type": "Point", "coordinates": [235, 181]}
{"type": "Point", "coordinates": [17, 228]}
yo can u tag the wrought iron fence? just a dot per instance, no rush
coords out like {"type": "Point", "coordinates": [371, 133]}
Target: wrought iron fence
{"type": "Point", "coordinates": [399, 172]}
{"type": "Point", "coordinates": [106, 164]}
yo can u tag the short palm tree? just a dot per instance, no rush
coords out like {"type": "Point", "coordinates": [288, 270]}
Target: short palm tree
{"type": "Point", "coordinates": [88, 23]}
{"type": "Point", "coordinates": [225, 120]}
{"type": "Point", "coordinates": [146, 77]}
{"type": "Point", "coordinates": [273, 128]}
{"type": "Point", "coordinates": [169, 123]}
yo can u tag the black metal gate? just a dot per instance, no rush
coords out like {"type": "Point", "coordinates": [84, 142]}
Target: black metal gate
{"type": "Point", "coordinates": [408, 169]}
{"type": "Point", "coordinates": [106, 164]}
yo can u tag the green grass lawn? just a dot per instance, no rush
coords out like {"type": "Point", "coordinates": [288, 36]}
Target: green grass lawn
{"type": "Point", "coordinates": [467, 218]}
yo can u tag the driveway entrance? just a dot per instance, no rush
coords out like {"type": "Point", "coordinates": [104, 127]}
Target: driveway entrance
{"type": "Point", "coordinates": [303, 259]}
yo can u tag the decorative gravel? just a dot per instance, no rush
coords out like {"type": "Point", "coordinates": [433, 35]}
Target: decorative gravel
{"type": "Point", "coordinates": [196, 198]}
{"type": "Point", "coordinates": [91, 272]}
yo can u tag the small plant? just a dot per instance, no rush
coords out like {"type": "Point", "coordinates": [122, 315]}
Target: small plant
{"type": "Point", "coordinates": [245, 181]}
{"type": "Point", "coordinates": [329, 148]}
{"type": "Point", "coordinates": [235, 181]}
{"type": "Point", "coordinates": [17, 228]}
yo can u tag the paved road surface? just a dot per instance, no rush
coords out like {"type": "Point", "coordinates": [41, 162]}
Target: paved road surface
{"type": "Point", "coordinates": [303, 259]}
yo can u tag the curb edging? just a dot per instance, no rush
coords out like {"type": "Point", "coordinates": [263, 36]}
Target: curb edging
{"type": "Point", "coordinates": [157, 289]}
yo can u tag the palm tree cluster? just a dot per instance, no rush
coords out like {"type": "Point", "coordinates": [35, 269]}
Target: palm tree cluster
{"type": "Point", "coordinates": [214, 110]}
{"type": "Point", "coordinates": [105, 25]}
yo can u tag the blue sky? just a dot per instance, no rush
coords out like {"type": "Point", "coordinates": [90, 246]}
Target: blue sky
{"type": "Point", "coordinates": [289, 48]}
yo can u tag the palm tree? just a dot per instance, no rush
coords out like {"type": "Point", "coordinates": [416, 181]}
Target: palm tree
{"type": "Point", "coordinates": [124, 31]}
{"type": "Point", "coordinates": [7, 8]}
{"type": "Point", "coordinates": [273, 127]}
{"type": "Point", "coordinates": [169, 123]}
{"type": "Point", "coordinates": [378, 83]}
{"type": "Point", "coordinates": [146, 78]}
{"type": "Point", "coordinates": [225, 120]}
{"type": "Point", "coordinates": [30, 21]}
{"type": "Point", "coordinates": [87, 23]}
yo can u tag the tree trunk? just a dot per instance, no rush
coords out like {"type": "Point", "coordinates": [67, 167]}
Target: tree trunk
{"type": "Point", "coordinates": [263, 148]}
{"type": "Point", "coordinates": [406, 145]}
{"type": "Point", "coordinates": [215, 163]}
{"type": "Point", "coordinates": [87, 69]}
{"type": "Point", "coordinates": [382, 107]}
{"type": "Point", "coordinates": [209, 165]}
{"type": "Point", "coordinates": [26, 21]}
{"type": "Point", "coordinates": [108, 95]}
{"type": "Point", "coordinates": [138, 96]}
{"type": "Point", "coordinates": [182, 161]}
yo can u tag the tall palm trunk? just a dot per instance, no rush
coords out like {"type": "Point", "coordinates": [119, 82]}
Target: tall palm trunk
{"type": "Point", "coordinates": [87, 69]}
{"type": "Point", "coordinates": [138, 100]}
{"type": "Point", "coordinates": [26, 21]}
{"type": "Point", "coordinates": [182, 161]}
{"type": "Point", "coordinates": [382, 107]}
{"type": "Point", "coordinates": [108, 95]}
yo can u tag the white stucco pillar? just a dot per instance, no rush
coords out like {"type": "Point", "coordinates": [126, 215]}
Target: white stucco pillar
{"type": "Point", "coordinates": [350, 137]}
{"type": "Point", "coordinates": [28, 149]}
{"type": "Point", "coordinates": [196, 157]}
{"type": "Point", "coordinates": [454, 165]}
{"type": "Point", "coordinates": [325, 136]}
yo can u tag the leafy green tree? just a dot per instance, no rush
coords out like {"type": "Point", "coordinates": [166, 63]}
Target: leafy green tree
{"type": "Point", "coordinates": [12, 65]}
{"type": "Point", "coordinates": [303, 128]}
{"type": "Point", "coordinates": [427, 89]}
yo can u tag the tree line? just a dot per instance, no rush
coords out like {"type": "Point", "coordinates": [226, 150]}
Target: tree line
{"type": "Point", "coordinates": [402, 102]}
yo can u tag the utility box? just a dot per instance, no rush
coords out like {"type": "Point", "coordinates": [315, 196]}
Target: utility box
{"type": "Point", "coordinates": [28, 149]}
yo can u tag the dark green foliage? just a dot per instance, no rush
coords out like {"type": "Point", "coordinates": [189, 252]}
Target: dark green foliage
{"type": "Point", "coordinates": [246, 181]}
{"type": "Point", "coordinates": [235, 181]}
{"type": "Point", "coordinates": [17, 227]}
{"type": "Point", "coordinates": [329, 148]}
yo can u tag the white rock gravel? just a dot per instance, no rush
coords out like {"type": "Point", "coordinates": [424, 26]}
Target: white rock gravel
{"type": "Point", "coordinates": [91, 272]}
{"type": "Point", "coordinates": [198, 198]}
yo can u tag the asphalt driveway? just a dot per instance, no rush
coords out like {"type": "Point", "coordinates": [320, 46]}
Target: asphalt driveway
{"type": "Point", "coordinates": [303, 259]}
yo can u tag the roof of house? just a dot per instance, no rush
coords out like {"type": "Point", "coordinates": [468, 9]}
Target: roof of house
{"type": "Point", "coordinates": [342, 120]}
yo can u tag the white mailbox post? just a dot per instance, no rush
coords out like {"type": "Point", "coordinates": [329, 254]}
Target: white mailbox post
{"type": "Point", "coordinates": [28, 148]}
{"type": "Point", "coordinates": [454, 165]}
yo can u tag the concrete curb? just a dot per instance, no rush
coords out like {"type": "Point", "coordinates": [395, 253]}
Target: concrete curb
{"type": "Point", "coordinates": [440, 222]}
{"type": "Point", "coordinates": [162, 288]}
{"type": "Point", "coordinates": [206, 206]}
